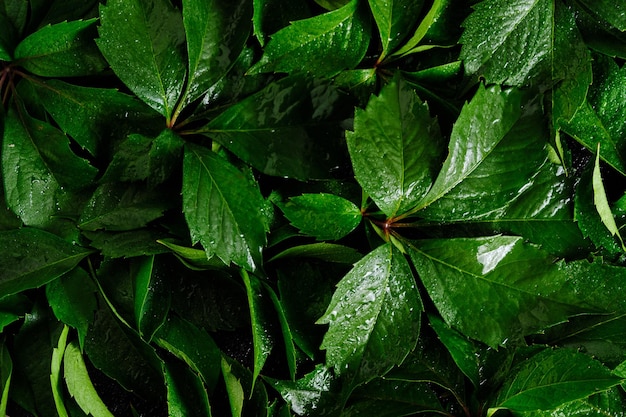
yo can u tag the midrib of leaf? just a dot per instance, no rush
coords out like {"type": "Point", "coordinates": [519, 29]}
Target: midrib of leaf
{"type": "Point", "coordinates": [587, 328]}
{"type": "Point", "coordinates": [57, 262]}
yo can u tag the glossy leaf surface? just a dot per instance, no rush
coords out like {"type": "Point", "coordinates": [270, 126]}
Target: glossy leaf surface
{"type": "Point", "coordinates": [374, 315]}
{"type": "Point", "coordinates": [396, 143]}
{"type": "Point", "coordinates": [394, 19]}
{"type": "Point", "coordinates": [152, 296]}
{"type": "Point", "coordinates": [185, 393]}
{"type": "Point", "coordinates": [311, 45]}
{"type": "Point", "coordinates": [151, 61]}
{"type": "Point", "coordinates": [223, 210]}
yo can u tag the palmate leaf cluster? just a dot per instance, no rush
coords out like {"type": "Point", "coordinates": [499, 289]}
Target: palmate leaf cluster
{"type": "Point", "coordinates": [331, 208]}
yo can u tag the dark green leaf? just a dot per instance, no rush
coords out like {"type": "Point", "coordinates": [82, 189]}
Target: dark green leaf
{"type": "Point", "coordinates": [192, 345]}
{"type": "Point", "coordinates": [73, 301]}
{"type": "Point", "coordinates": [33, 258]}
{"type": "Point", "coordinates": [223, 210]}
{"type": "Point", "coordinates": [509, 301]}
{"type": "Point", "coordinates": [16, 11]}
{"type": "Point", "coordinates": [272, 15]}
{"type": "Point", "coordinates": [152, 296]}
{"type": "Point", "coordinates": [262, 337]}
{"type": "Point", "coordinates": [290, 350]}
{"type": "Point", "coordinates": [396, 143]}
{"type": "Point", "coordinates": [323, 45]}
{"type": "Point", "coordinates": [272, 130]}
{"type": "Point", "coordinates": [121, 207]}
{"type": "Point", "coordinates": [7, 38]}
{"type": "Point", "coordinates": [93, 116]}
{"type": "Point", "coordinates": [552, 378]}
{"type": "Point", "coordinates": [216, 31]}
{"type": "Point", "coordinates": [63, 50]}
{"type": "Point", "coordinates": [143, 43]}
{"type": "Point", "coordinates": [612, 11]}
{"type": "Point", "coordinates": [140, 158]}
{"type": "Point", "coordinates": [38, 165]}
{"type": "Point", "coordinates": [324, 216]}
{"type": "Point", "coordinates": [13, 308]}
{"type": "Point", "coordinates": [329, 252]}
{"type": "Point", "coordinates": [185, 393]}
{"type": "Point", "coordinates": [127, 244]}
{"type": "Point", "coordinates": [374, 316]}
{"type": "Point", "coordinates": [79, 383]}
{"type": "Point", "coordinates": [394, 20]}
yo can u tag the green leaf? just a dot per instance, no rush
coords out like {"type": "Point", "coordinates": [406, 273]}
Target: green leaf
{"type": "Point", "coordinates": [482, 125]}
{"type": "Point", "coordinates": [127, 244]}
{"type": "Point", "coordinates": [216, 32]}
{"type": "Point", "coordinates": [612, 11]}
{"type": "Point", "coordinates": [152, 296]}
{"type": "Point", "coordinates": [604, 404]}
{"type": "Point", "coordinates": [86, 113]}
{"type": "Point", "coordinates": [552, 378]}
{"type": "Point", "coordinates": [272, 15]}
{"type": "Point", "coordinates": [121, 207]}
{"type": "Point", "coordinates": [55, 372]}
{"type": "Point", "coordinates": [63, 50]}
{"type": "Point", "coordinates": [462, 350]}
{"type": "Point", "coordinates": [323, 45]}
{"type": "Point", "coordinates": [6, 372]}
{"type": "Point", "coordinates": [73, 301]}
{"type": "Point", "coordinates": [234, 389]}
{"type": "Point", "coordinates": [192, 345]}
{"type": "Point", "coordinates": [143, 158]}
{"type": "Point", "coordinates": [272, 129]}
{"type": "Point", "coordinates": [374, 316]}
{"type": "Point", "coordinates": [601, 118]}
{"type": "Point", "coordinates": [263, 341]}
{"type": "Point", "coordinates": [324, 216]}
{"type": "Point", "coordinates": [13, 308]}
{"type": "Point", "coordinates": [509, 301]}
{"type": "Point", "coordinates": [396, 143]}
{"type": "Point", "coordinates": [143, 43]}
{"type": "Point", "coordinates": [186, 395]}
{"type": "Point", "coordinates": [601, 202]}
{"type": "Point", "coordinates": [328, 252]}
{"type": "Point", "coordinates": [79, 383]}
{"type": "Point", "coordinates": [290, 350]}
{"type": "Point", "coordinates": [223, 210]}
{"type": "Point", "coordinates": [192, 258]}
{"type": "Point", "coordinates": [38, 165]}
{"type": "Point", "coordinates": [394, 18]}
{"type": "Point", "coordinates": [33, 258]}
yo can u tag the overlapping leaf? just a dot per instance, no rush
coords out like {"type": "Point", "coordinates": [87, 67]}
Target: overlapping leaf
{"type": "Point", "coordinates": [323, 45]}
{"type": "Point", "coordinates": [143, 41]}
{"type": "Point", "coordinates": [374, 316]}
{"type": "Point", "coordinates": [395, 143]}
{"type": "Point", "coordinates": [223, 210]}
{"type": "Point", "coordinates": [394, 19]}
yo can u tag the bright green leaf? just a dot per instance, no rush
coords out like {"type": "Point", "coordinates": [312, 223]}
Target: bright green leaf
{"type": "Point", "coordinates": [233, 389]}
{"type": "Point", "coordinates": [79, 383]}
{"type": "Point", "coordinates": [55, 372]}
{"type": "Point", "coordinates": [601, 202]}
{"type": "Point", "coordinates": [374, 316]}
{"type": "Point", "coordinates": [33, 258]}
{"type": "Point", "coordinates": [434, 13]}
{"type": "Point", "coordinates": [325, 216]}
{"type": "Point", "coordinates": [191, 257]}
{"type": "Point", "coordinates": [143, 41]}
{"type": "Point", "coordinates": [63, 50]}
{"type": "Point", "coordinates": [323, 45]}
{"type": "Point", "coordinates": [223, 210]}
{"type": "Point", "coordinates": [552, 378]}
{"type": "Point", "coordinates": [396, 143]}
{"type": "Point", "coordinates": [6, 371]}
{"type": "Point", "coordinates": [186, 396]}
{"type": "Point", "coordinates": [394, 19]}
{"type": "Point", "coordinates": [329, 252]}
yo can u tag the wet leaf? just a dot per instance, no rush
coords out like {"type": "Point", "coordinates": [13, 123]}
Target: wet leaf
{"type": "Point", "coordinates": [374, 316]}
{"type": "Point", "coordinates": [185, 393]}
{"type": "Point", "coordinates": [395, 144]}
{"type": "Point", "coordinates": [223, 210]}
{"type": "Point", "coordinates": [143, 41]}
{"type": "Point", "coordinates": [394, 19]}
{"type": "Point", "coordinates": [323, 45]}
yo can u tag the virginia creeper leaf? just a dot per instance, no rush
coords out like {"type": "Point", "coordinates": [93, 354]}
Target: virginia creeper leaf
{"type": "Point", "coordinates": [323, 45]}
{"type": "Point", "coordinates": [325, 216]}
{"type": "Point", "coordinates": [552, 378]}
{"type": "Point", "coordinates": [601, 202]}
{"type": "Point", "coordinates": [223, 210]}
{"type": "Point", "coordinates": [142, 40]}
{"type": "Point", "coordinates": [33, 258]}
{"type": "Point", "coordinates": [186, 395]}
{"type": "Point", "coordinates": [613, 12]}
{"type": "Point", "coordinates": [93, 116]}
{"type": "Point", "coordinates": [271, 130]}
{"type": "Point", "coordinates": [272, 15]}
{"type": "Point", "coordinates": [374, 316]}
{"type": "Point", "coordinates": [152, 296]}
{"type": "Point", "coordinates": [55, 372]}
{"type": "Point", "coordinates": [63, 50]}
{"type": "Point", "coordinates": [6, 372]}
{"type": "Point", "coordinates": [234, 389]}
{"type": "Point", "coordinates": [394, 19]}
{"type": "Point", "coordinates": [290, 350]}
{"type": "Point", "coordinates": [396, 143]}
{"type": "Point", "coordinates": [79, 383]}
{"type": "Point", "coordinates": [216, 32]}
{"type": "Point", "coordinates": [329, 252]}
